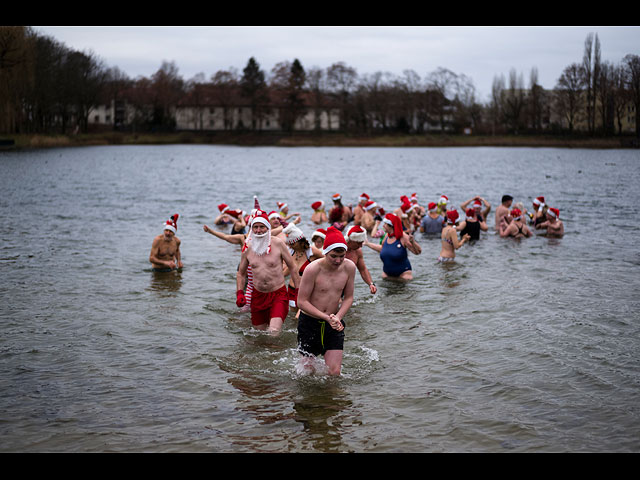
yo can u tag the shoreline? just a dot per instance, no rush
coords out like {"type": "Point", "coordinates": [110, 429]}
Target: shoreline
{"type": "Point", "coordinates": [260, 139]}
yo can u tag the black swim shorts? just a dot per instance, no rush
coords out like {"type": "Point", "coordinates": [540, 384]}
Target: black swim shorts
{"type": "Point", "coordinates": [316, 336]}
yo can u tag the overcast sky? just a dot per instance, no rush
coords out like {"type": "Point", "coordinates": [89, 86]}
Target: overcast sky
{"type": "Point", "coordinates": [480, 53]}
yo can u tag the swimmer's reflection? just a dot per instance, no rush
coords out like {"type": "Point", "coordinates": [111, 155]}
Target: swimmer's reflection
{"type": "Point", "coordinates": [166, 281]}
{"type": "Point", "coordinates": [271, 398]}
{"type": "Point", "coordinates": [320, 408]}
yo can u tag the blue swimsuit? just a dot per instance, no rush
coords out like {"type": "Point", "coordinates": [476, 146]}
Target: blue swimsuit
{"type": "Point", "coordinates": [395, 259]}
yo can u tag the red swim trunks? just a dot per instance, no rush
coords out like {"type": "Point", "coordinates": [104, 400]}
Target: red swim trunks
{"type": "Point", "coordinates": [265, 306]}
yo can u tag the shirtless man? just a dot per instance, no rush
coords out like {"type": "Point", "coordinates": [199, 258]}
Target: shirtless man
{"type": "Point", "coordinates": [324, 284]}
{"type": "Point", "coordinates": [516, 228]}
{"type": "Point", "coordinates": [367, 221]}
{"type": "Point", "coordinates": [359, 210]}
{"type": "Point", "coordinates": [503, 209]}
{"type": "Point", "coordinates": [553, 224]}
{"type": "Point", "coordinates": [355, 239]}
{"type": "Point", "coordinates": [165, 249]}
{"type": "Point", "coordinates": [265, 254]}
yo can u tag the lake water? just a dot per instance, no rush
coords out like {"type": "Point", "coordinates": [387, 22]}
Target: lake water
{"type": "Point", "coordinates": [520, 346]}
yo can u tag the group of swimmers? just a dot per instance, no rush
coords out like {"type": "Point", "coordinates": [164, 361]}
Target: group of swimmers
{"type": "Point", "coordinates": [321, 269]}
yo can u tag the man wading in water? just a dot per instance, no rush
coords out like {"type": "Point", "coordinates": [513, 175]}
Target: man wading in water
{"type": "Point", "coordinates": [165, 249]}
{"type": "Point", "coordinates": [265, 254]}
{"type": "Point", "coordinates": [325, 283]}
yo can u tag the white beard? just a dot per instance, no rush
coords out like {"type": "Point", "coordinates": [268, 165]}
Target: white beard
{"type": "Point", "coordinates": [260, 243]}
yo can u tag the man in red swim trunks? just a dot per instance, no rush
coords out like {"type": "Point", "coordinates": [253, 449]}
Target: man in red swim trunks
{"type": "Point", "coordinates": [265, 254]}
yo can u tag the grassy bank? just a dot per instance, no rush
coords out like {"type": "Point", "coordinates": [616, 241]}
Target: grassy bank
{"type": "Point", "coordinates": [319, 140]}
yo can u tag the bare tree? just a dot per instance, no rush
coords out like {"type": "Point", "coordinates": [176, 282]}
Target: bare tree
{"type": "Point", "coordinates": [632, 80]}
{"type": "Point", "coordinates": [568, 93]}
{"type": "Point", "coordinates": [225, 85]}
{"type": "Point", "coordinates": [341, 80]}
{"type": "Point", "coordinates": [495, 105]}
{"type": "Point", "coordinates": [316, 79]}
{"type": "Point", "coordinates": [514, 101]}
{"type": "Point", "coordinates": [442, 82]}
{"type": "Point", "coordinates": [591, 73]}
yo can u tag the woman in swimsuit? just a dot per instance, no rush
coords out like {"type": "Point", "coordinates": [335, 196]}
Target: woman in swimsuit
{"type": "Point", "coordinates": [449, 236]}
{"type": "Point", "coordinates": [393, 249]}
{"type": "Point", "coordinates": [516, 228]}
{"type": "Point", "coordinates": [472, 225]}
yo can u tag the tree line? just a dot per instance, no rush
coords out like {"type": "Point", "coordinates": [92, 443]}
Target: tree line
{"type": "Point", "coordinates": [46, 87]}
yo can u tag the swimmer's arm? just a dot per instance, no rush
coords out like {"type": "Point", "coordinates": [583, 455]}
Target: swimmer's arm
{"type": "Point", "coordinates": [242, 271]}
{"type": "Point", "coordinates": [239, 223]}
{"type": "Point", "coordinates": [373, 246]}
{"type": "Point", "coordinates": [288, 260]}
{"type": "Point", "coordinates": [178, 255]}
{"type": "Point", "coordinates": [542, 225]}
{"type": "Point", "coordinates": [317, 253]}
{"type": "Point", "coordinates": [347, 299]}
{"type": "Point", "coordinates": [365, 274]}
{"type": "Point", "coordinates": [463, 205]}
{"type": "Point", "coordinates": [276, 231]}
{"type": "Point", "coordinates": [488, 209]}
{"type": "Point", "coordinates": [483, 226]}
{"type": "Point", "coordinates": [504, 229]}
{"type": "Point", "coordinates": [411, 244]}
{"type": "Point", "coordinates": [454, 239]}
{"type": "Point", "coordinates": [236, 238]}
{"type": "Point", "coordinates": [221, 218]}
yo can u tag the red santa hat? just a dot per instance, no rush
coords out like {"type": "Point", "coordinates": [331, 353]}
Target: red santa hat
{"type": "Point", "coordinates": [321, 232]}
{"type": "Point", "coordinates": [452, 216]}
{"type": "Point", "coordinates": [443, 199]}
{"type": "Point", "coordinates": [293, 234]}
{"type": "Point", "coordinates": [370, 204]}
{"type": "Point", "coordinates": [317, 205]}
{"type": "Point", "coordinates": [282, 205]}
{"type": "Point", "coordinates": [364, 196]}
{"type": "Point", "coordinates": [414, 197]}
{"type": "Point", "coordinates": [407, 207]}
{"type": "Point", "coordinates": [539, 201]}
{"type": "Point", "coordinates": [432, 206]}
{"type": "Point", "coordinates": [256, 205]}
{"type": "Point", "coordinates": [553, 212]}
{"type": "Point", "coordinates": [470, 213]}
{"type": "Point", "coordinates": [357, 234]}
{"type": "Point", "coordinates": [336, 197]}
{"type": "Point", "coordinates": [273, 214]}
{"type": "Point", "coordinates": [477, 204]}
{"type": "Point", "coordinates": [235, 213]}
{"type": "Point", "coordinates": [394, 221]}
{"type": "Point", "coordinates": [516, 213]}
{"type": "Point", "coordinates": [172, 223]}
{"type": "Point", "coordinates": [223, 207]}
{"type": "Point", "coordinates": [261, 217]}
{"type": "Point", "coordinates": [332, 240]}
